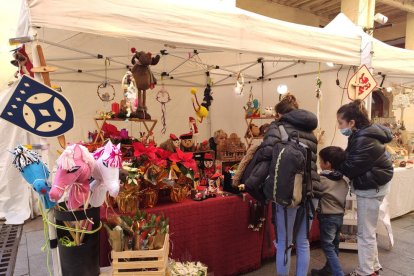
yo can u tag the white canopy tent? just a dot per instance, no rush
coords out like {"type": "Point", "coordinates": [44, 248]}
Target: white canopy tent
{"type": "Point", "coordinates": [73, 33]}
{"type": "Point", "coordinates": [386, 58]}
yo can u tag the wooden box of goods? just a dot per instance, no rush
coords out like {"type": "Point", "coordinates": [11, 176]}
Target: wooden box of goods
{"type": "Point", "coordinates": [231, 149]}
{"type": "Point", "coordinates": [142, 262]}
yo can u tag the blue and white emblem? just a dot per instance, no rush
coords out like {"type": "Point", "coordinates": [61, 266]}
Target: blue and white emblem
{"type": "Point", "coordinates": [38, 109]}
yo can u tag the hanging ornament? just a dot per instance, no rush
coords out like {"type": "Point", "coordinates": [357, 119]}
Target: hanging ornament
{"type": "Point", "coordinates": [130, 102]}
{"type": "Point", "coordinates": [319, 132]}
{"type": "Point", "coordinates": [106, 91]}
{"type": "Point", "coordinates": [238, 88]}
{"type": "Point", "coordinates": [163, 97]}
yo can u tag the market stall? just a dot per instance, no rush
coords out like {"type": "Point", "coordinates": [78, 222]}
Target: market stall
{"type": "Point", "coordinates": [164, 129]}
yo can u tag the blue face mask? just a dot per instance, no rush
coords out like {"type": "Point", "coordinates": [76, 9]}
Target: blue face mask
{"type": "Point", "coordinates": [346, 131]}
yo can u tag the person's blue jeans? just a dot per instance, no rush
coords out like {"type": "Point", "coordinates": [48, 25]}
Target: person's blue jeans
{"type": "Point", "coordinates": [330, 228]}
{"type": "Point", "coordinates": [302, 243]}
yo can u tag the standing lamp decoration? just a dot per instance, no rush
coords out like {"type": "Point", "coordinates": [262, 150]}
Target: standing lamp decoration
{"type": "Point", "coordinates": [163, 97]}
{"type": "Point", "coordinates": [106, 91]}
{"type": "Point", "coordinates": [144, 79]}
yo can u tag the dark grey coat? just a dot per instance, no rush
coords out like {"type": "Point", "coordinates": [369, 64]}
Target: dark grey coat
{"type": "Point", "coordinates": [302, 121]}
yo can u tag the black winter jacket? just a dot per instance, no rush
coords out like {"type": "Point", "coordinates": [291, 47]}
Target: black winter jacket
{"type": "Point", "coordinates": [302, 121]}
{"type": "Point", "coordinates": [368, 165]}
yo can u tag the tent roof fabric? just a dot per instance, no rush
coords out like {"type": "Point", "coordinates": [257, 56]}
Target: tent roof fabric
{"type": "Point", "coordinates": [197, 23]}
{"type": "Point", "coordinates": [385, 58]}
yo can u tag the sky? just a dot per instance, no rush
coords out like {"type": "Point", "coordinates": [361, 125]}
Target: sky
{"type": "Point", "coordinates": [9, 14]}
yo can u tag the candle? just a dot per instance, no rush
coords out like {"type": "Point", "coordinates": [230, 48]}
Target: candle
{"type": "Point", "coordinates": [115, 108]}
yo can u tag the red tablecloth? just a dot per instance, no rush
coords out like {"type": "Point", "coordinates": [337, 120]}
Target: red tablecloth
{"type": "Point", "coordinates": [214, 232]}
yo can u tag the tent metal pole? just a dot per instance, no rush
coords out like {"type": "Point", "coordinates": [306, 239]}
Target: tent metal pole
{"type": "Point", "coordinates": [82, 81]}
{"type": "Point", "coordinates": [70, 59]}
{"type": "Point", "coordinates": [277, 78]}
{"type": "Point", "coordinates": [181, 64]}
{"type": "Point", "coordinates": [242, 70]}
{"type": "Point", "coordinates": [88, 71]}
{"type": "Point", "coordinates": [76, 71]}
{"type": "Point", "coordinates": [188, 73]}
{"type": "Point", "coordinates": [281, 61]}
{"type": "Point", "coordinates": [240, 64]}
{"type": "Point", "coordinates": [189, 82]}
{"type": "Point", "coordinates": [195, 61]}
{"type": "Point", "coordinates": [70, 48]}
{"type": "Point", "coordinates": [281, 69]}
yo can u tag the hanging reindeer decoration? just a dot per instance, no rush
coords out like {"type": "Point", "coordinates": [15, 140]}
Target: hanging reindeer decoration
{"type": "Point", "coordinates": [144, 78]}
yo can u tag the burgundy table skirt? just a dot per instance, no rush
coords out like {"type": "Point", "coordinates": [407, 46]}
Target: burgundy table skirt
{"type": "Point", "coordinates": [214, 232]}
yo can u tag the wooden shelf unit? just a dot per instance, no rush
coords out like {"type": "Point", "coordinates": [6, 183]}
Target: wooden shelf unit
{"type": "Point", "coordinates": [249, 120]}
{"type": "Point", "coordinates": [148, 124]}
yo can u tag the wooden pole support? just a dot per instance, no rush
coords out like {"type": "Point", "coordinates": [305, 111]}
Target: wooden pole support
{"type": "Point", "coordinates": [46, 80]}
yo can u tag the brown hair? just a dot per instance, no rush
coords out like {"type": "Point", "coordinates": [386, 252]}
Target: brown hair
{"type": "Point", "coordinates": [287, 104]}
{"type": "Point", "coordinates": [334, 155]}
{"type": "Point", "coordinates": [355, 111]}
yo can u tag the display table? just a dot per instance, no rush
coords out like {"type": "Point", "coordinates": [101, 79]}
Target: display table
{"type": "Point", "coordinates": [401, 197]}
{"type": "Point", "coordinates": [214, 232]}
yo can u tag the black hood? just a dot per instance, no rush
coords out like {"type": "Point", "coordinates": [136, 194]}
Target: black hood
{"type": "Point", "coordinates": [301, 119]}
{"type": "Point", "coordinates": [333, 175]}
{"type": "Point", "coordinates": [379, 132]}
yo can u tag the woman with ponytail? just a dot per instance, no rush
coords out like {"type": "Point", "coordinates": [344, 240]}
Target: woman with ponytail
{"type": "Point", "coordinates": [257, 171]}
{"type": "Point", "coordinates": [369, 167]}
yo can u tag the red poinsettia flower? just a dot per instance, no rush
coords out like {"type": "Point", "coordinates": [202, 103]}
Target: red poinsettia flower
{"type": "Point", "coordinates": [141, 149]}
{"type": "Point", "coordinates": [110, 130]}
{"type": "Point", "coordinates": [162, 157]}
{"type": "Point", "coordinates": [184, 158]}
{"type": "Point", "coordinates": [163, 154]}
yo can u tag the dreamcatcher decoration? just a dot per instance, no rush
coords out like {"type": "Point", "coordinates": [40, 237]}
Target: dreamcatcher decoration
{"type": "Point", "coordinates": [163, 97]}
{"type": "Point", "coordinates": [318, 93]}
{"type": "Point", "coordinates": [106, 91]}
{"type": "Point", "coordinates": [238, 87]}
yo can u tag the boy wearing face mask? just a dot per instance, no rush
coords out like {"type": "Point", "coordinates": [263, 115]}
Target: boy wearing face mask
{"type": "Point", "coordinates": [369, 167]}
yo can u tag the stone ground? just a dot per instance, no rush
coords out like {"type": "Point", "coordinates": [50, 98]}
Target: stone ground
{"type": "Point", "coordinates": [399, 261]}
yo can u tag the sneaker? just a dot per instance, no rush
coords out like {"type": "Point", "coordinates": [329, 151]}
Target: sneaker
{"type": "Point", "coordinates": [354, 273]}
{"type": "Point", "coordinates": [378, 271]}
{"type": "Point", "coordinates": [325, 271]}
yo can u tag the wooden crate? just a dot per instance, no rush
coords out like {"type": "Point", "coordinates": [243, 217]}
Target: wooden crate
{"type": "Point", "coordinates": [136, 262]}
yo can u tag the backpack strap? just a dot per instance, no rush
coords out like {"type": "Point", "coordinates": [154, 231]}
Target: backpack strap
{"type": "Point", "coordinates": [284, 136]}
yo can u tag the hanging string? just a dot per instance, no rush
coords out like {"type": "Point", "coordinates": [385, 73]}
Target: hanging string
{"type": "Point", "coordinates": [318, 93]}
